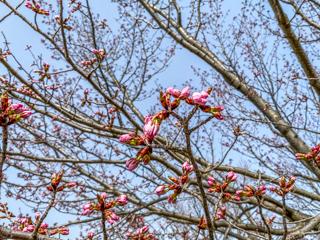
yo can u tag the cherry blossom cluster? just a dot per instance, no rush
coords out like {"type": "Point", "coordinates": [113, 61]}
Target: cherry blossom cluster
{"type": "Point", "coordinates": [63, 23]}
{"type": "Point", "coordinates": [285, 186]}
{"type": "Point", "coordinates": [141, 234]}
{"type": "Point", "coordinates": [221, 213]}
{"type": "Point", "coordinates": [99, 56]}
{"type": "Point", "coordinates": [198, 99]}
{"type": "Point", "coordinates": [216, 187]}
{"type": "Point", "coordinates": [76, 5]}
{"type": "Point", "coordinates": [104, 206]}
{"type": "Point", "coordinates": [150, 130]}
{"type": "Point", "coordinates": [250, 191]}
{"type": "Point", "coordinates": [36, 7]}
{"type": "Point", "coordinates": [55, 183]}
{"type": "Point", "coordinates": [25, 224]}
{"type": "Point", "coordinates": [313, 155]}
{"type": "Point", "coordinates": [44, 72]}
{"type": "Point", "coordinates": [177, 184]}
{"type": "Point", "coordinates": [11, 113]}
{"type": "Point", "coordinates": [152, 123]}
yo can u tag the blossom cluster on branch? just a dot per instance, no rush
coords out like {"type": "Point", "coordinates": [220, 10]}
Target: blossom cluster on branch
{"type": "Point", "coordinates": [152, 123]}
{"type": "Point", "coordinates": [104, 206]}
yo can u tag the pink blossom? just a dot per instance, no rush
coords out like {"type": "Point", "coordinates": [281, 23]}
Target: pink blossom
{"type": "Point", "coordinates": [262, 189]}
{"type": "Point", "coordinates": [23, 220]}
{"type": "Point", "coordinates": [36, 7]}
{"type": "Point", "coordinates": [221, 213]}
{"type": "Point", "coordinates": [231, 176]}
{"type": "Point", "coordinates": [112, 217]}
{"type": "Point", "coordinates": [87, 209]}
{"type": "Point", "coordinates": [126, 137]}
{"type": "Point", "coordinates": [160, 190]}
{"type": "Point", "coordinates": [172, 198]}
{"type": "Point", "coordinates": [63, 231]}
{"type": "Point", "coordinates": [100, 53]}
{"type": "Point", "coordinates": [239, 192]}
{"type": "Point", "coordinates": [131, 138]}
{"type": "Point", "coordinates": [90, 235]}
{"type": "Point", "coordinates": [44, 225]}
{"type": "Point", "coordinates": [122, 200]}
{"type": "Point", "coordinates": [150, 128]}
{"type": "Point", "coordinates": [200, 98]}
{"type": "Point", "coordinates": [173, 92]}
{"type": "Point", "coordinates": [16, 112]}
{"type": "Point", "coordinates": [211, 181]}
{"type": "Point", "coordinates": [187, 167]}
{"type": "Point", "coordinates": [236, 198]}
{"type": "Point", "coordinates": [103, 195]}
{"type": "Point", "coordinates": [29, 228]}
{"type": "Point", "coordinates": [132, 164]}
{"type": "Point", "coordinates": [185, 92]}
{"type": "Point", "coordinates": [142, 230]}
{"type": "Point", "coordinates": [71, 184]}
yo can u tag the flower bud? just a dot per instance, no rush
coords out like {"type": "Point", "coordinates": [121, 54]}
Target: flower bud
{"type": "Point", "coordinates": [221, 212]}
{"type": "Point", "coordinates": [122, 200]}
{"type": "Point", "coordinates": [132, 164]}
{"type": "Point", "coordinates": [185, 93]}
{"type": "Point", "coordinates": [151, 127]}
{"type": "Point", "coordinates": [173, 92]}
{"type": "Point", "coordinates": [211, 181]}
{"type": "Point", "coordinates": [90, 235]}
{"type": "Point", "coordinates": [160, 190]}
{"type": "Point", "coordinates": [200, 98]}
{"type": "Point", "coordinates": [187, 168]}
{"type": "Point", "coordinates": [231, 176]}
{"type": "Point", "coordinates": [131, 138]}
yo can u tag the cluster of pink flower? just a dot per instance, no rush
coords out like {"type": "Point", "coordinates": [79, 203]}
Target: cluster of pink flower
{"type": "Point", "coordinates": [141, 234]}
{"type": "Point", "coordinates": [44, 72]}
{"type": "Point", "coordinates": [177, 184]}
{"type": "Point", "coordinates": [25, 224]}
{"type": "Point", "coordinates": [64, 23]}
{"type": "Point", "coordinates": [221, 213]}
{"type": "Point", "coordinates": [152, 123]}
{"type": "Point", "coordinates": [150, 130]}
{"type": "Point", "coordinates": [76, 5]}
{"type": "Point", "coordinates": [12, 113]}
{"type": "Point", "coordinates": [250, 191]}
{"type": "Point", "coordinates": [247, 191]}
{"type": "Point", "coordinates": [220, 188]}
{"type": "Point", "coordinates": [55, 182]}
{"type": "Point", "coordinates": [198, 98]}
{"type": "Point", "coordinates": [99, 56]}
{"type": "Point", "coordinates": [105, 207]}
{"type": "Point", "coordinates": [36, 7]}
{"type": "Point", "coordinates": [313, 155]}
{"type": "Point", "coordinates": [217, 187]}
{"type": "Point", "coordinates": [284, 186]}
